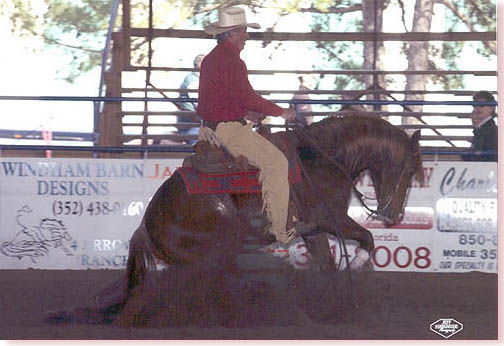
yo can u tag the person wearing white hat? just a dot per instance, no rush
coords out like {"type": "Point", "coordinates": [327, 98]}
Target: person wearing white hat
{"type": "Point", "coordinates": [225, 100]}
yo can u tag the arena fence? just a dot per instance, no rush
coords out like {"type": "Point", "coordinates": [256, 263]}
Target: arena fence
{"type": "Point", "coordinates": [177, 144]}
{"type": "Point", "coordinates": [143, 126]}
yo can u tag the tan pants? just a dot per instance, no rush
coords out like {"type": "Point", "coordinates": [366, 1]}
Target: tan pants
{"type": "Point", "coordinates": [273, 167]}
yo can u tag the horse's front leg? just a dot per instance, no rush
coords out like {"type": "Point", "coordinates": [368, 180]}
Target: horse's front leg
{"type": "Point", "coordinates": [352, 230]}
{"type": "Point", "coordinates": [318, 247]}
{"type": "Point", "coordinates": [347, 228]}
{"type": "Point", "coordinates": [365, 239]}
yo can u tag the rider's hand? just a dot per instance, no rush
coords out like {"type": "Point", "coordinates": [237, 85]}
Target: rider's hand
{"type": "Point", "coordinates": [289, 114]}
{"type": "Point", "coordinates": [254, 116]}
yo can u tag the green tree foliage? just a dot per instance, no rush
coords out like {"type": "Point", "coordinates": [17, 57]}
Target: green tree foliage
{"type": "Point", "coordinates": [78, 27]}
{"type": "Point", "coordinates": [339, 55]}
{"type": "Point", "coordinates": [450, 53]}
{"type": "Point", "coordinates": [464, 15]}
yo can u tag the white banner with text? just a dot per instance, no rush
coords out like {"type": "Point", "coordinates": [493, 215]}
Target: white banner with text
{"type": "Point", "coordinates": [81, 213]}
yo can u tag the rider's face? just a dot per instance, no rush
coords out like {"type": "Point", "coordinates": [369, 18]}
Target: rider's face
{"type": "Point", "coordinates": [238, 37]}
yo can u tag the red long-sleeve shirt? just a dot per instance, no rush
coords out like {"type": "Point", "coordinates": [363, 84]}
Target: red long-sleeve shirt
{"type": "Point", "coordinates": [224, 91]}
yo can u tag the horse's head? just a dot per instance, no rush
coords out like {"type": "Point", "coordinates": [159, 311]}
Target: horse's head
{"type": "Point", "coordinates": [391, 183]}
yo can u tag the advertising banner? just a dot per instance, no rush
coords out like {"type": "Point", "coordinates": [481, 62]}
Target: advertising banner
{"type": "Point", "coordinates": [74, 213]}
{"type": "Point", "coordinates": [81, 213]}
{"type": "Point", "coordinates": [449, 225]}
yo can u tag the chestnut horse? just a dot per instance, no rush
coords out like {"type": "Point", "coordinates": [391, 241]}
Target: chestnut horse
{"type": "Point", "coordinates": [181, 229]}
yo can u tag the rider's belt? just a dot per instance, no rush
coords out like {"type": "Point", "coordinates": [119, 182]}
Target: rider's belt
{"type": "Point", "coordinates": [213, 124]}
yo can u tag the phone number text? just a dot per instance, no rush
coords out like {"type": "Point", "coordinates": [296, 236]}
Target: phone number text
{"type": "Point", "coordinates": [96, 208]}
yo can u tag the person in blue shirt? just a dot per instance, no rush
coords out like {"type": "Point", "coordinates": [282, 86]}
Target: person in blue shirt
{"type": "Point", "coordinates": [191, 81]}
{"type": "Point", "coordinates": [302, 107]}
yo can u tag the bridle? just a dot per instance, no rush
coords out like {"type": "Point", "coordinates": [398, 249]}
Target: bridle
{"type": "Point", "coordinates": [360, 196]}
{"type": "Point", "coordinates": [389, 199]}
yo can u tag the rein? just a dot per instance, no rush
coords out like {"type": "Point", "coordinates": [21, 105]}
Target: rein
{"type": "Point", "coordinates": [389, 197]}
{"type": "Point", "coordinates": [341, 242]}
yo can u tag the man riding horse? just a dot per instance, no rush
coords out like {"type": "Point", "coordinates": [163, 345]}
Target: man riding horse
{"type": "Point", "coordinates": [201, 232]}
{"type": "Point", "coordinates": [225, 100]}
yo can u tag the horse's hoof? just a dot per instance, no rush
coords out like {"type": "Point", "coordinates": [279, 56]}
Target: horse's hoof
{"type": "Point", "coordinates": [361, 259]}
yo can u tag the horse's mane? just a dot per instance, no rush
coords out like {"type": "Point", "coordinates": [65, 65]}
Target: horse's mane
{"type": "Point", "coordinates": [354, 138]}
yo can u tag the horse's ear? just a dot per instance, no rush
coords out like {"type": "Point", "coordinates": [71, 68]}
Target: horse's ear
{"type": "Point", "coordinates": [415, 138]}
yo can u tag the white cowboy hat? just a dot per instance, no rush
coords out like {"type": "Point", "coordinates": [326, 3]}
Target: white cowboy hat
{"type": "Point", "coordinates": [229, 18]}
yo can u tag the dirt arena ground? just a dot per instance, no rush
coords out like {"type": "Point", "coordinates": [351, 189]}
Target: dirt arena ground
{"type": "Point", "coordinates": [392, 306]}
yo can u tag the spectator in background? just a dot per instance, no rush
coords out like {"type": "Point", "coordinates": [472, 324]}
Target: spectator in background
{"type": "Point", "coordinates": [485, 129]}
{"type": "Point", "coordinates": [191, 81]}
{"type": "Point", "coordinates": [352, 107]}
{"type": "Point", "coordinates": [302, 107]}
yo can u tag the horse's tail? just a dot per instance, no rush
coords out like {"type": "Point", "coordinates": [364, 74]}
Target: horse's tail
{"type": "Point", "coordinates": [140, 258]}
{"type": "Point", "coordinates": [111, 301]}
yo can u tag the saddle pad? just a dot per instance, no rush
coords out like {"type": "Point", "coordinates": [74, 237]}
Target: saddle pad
{"type": "Point", "coordinates": [232, 182]}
